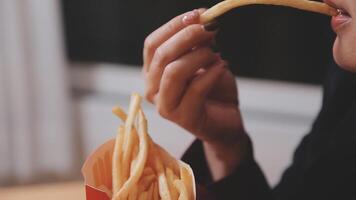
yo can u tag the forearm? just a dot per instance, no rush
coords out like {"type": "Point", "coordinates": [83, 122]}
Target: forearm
{"type": "Point", "coordinates": [246, 181]}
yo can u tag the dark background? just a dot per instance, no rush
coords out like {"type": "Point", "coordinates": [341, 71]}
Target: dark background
{"type": "Point", "coordinates": [259, 41]}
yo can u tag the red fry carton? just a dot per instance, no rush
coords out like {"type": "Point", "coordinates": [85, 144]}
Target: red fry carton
{"type": "Point", "coordinates": [97, 172]}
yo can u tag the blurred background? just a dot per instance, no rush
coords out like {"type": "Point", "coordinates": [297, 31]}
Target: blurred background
{"type": "Point", "coordinates": [64, 64]}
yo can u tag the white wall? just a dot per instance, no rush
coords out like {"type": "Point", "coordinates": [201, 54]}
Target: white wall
{"type": "Point", "coordinates": [36, 131]}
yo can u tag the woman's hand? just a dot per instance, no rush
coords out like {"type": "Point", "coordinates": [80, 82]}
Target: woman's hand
{"type": "Point", "coordinates": [192, 86]}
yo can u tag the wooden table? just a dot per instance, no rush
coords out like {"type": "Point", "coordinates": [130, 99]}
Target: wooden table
{"type": "Point", "coordinates": [53, 191]}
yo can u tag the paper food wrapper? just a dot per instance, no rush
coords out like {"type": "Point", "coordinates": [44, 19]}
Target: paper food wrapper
{"type": "Point", "coordinates": [97, 171]}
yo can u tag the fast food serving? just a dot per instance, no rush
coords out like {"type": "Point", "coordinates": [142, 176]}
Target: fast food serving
{"type": "Point", "coordinates": [228, 5]}
{"type": "Point", "coordinates": [132, 166]}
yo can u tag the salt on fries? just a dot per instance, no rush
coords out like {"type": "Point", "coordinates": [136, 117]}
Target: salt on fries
{"type": "Point", "coordinates": [141, 169]}
{"type": "Point", "coordinates": [228, 5]}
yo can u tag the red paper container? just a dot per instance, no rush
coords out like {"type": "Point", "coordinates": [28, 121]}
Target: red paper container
{"type": "Point", "coordinates": [97, 172]}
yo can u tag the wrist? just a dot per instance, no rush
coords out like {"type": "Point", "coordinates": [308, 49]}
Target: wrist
{"type": "Point", "coordinates": [223, 157]}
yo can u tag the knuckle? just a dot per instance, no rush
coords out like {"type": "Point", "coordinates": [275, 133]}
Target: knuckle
{"type": "Point", "coordinates": [171, 26]}
{"type": "Point", "coordinates": [170, 73]}
{"type": "Point", "coordinates": [160, 56]}
{"type": "Point", "coordinates": [149, 46]}
{"type": "Point", "coordinates": [148, 43]}
{"type": "Point", "coordinates": [191, 32]}
{"type": "Point", "coordinates": [188, 34]}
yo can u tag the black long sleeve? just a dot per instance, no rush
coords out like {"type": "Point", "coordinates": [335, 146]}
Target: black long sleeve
{"type": "Point", "coordinates": [324, 164]}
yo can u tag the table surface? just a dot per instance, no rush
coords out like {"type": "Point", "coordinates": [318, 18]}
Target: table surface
{"type": "Point", "coordinates": [53, 191]}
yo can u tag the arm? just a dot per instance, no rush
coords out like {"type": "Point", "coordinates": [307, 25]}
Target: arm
{"type": "Point", "coordinates": [246, 181]}
{"type": "Point", "coordinates": [192, 86]}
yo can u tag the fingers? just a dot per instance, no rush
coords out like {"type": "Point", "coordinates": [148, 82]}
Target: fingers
{"type": "Point", "coordinates": [155, 39]}
{"type": "Point", "coordinates": [198, 90]}
{"type": "Point", "coordinates": [176, 46]}
{"type": "Point", "coordinates": [178, 74]}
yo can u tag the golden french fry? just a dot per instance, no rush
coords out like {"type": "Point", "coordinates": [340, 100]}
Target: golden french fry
{"type": "Point", "coordinates": [117, 180]}
{"type": "Point", "coordinates": [163, 187]}
{"type": "Point", "coordinates": [134, 193]}
{"type": "Point", "coordinates": [135, 147]}
{"type": "Point", "coordinates": [143, 196]}
{"type": "Point", "coordinates": [187, 179]}
{"type": "Point", "coordinates": [183, 193]}
{"type": "Point", "coordinates": [128, 136]}
{"type": "Point", "coordinates": [120, 113]}
{"type": "Point", "coordinates": [170, 180]}
{"type": "Point", "coordinates": [228, 5]}
{"type": "Point", "coordinates": [150, 191]}
{"type": "Point", "coordinates": [155, 191]}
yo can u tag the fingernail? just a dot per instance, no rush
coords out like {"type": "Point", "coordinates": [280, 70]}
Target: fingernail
{"type": "Point", "coordinates": [191, 17]}
{"type": "Point", "coordinates": [211, 26]}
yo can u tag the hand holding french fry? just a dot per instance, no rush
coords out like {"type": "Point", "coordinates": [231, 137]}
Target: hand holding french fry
{"type": "Point", "coordinates": [189, 83]}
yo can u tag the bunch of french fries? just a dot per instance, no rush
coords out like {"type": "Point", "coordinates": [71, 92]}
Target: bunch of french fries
{"type": "Point", "coordinates": [141, 169]}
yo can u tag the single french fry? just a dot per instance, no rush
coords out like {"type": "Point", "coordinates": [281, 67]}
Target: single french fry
{"type": "Point", "coordinates": [150, 191]}
{"type": "Point", "coordinates": [155, 191]}
{"type": "Point", "coordinates": [135, 147]}
{"type": "Point", "coordinates": [187, 179]}
{"type": "Point", "coordinates": [117, 180]}
{"type": "Point", "coordinates": [128, 136]}
{"type": "Point", "coordinates": [163, 187]}
{"type": "Point", "coordinates": [120, 113]}
{"type": "Point", "coordinates": [228, 5]}
{"type": "Point", "coordinates": [134, 193]}
{"type": "Point", "coordinates": [143, 196]}
{"type": "Point", "coordinates": [170, 180]}
{"type": "Point", "coordinates": [183, 193]}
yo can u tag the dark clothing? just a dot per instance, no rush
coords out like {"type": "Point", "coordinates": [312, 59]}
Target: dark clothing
{"type": "Point", "coordinates": [324, 164]}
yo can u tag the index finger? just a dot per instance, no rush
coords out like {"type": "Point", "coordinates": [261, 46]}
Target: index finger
{"type": "Point", "coordinates": [159, 36]}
